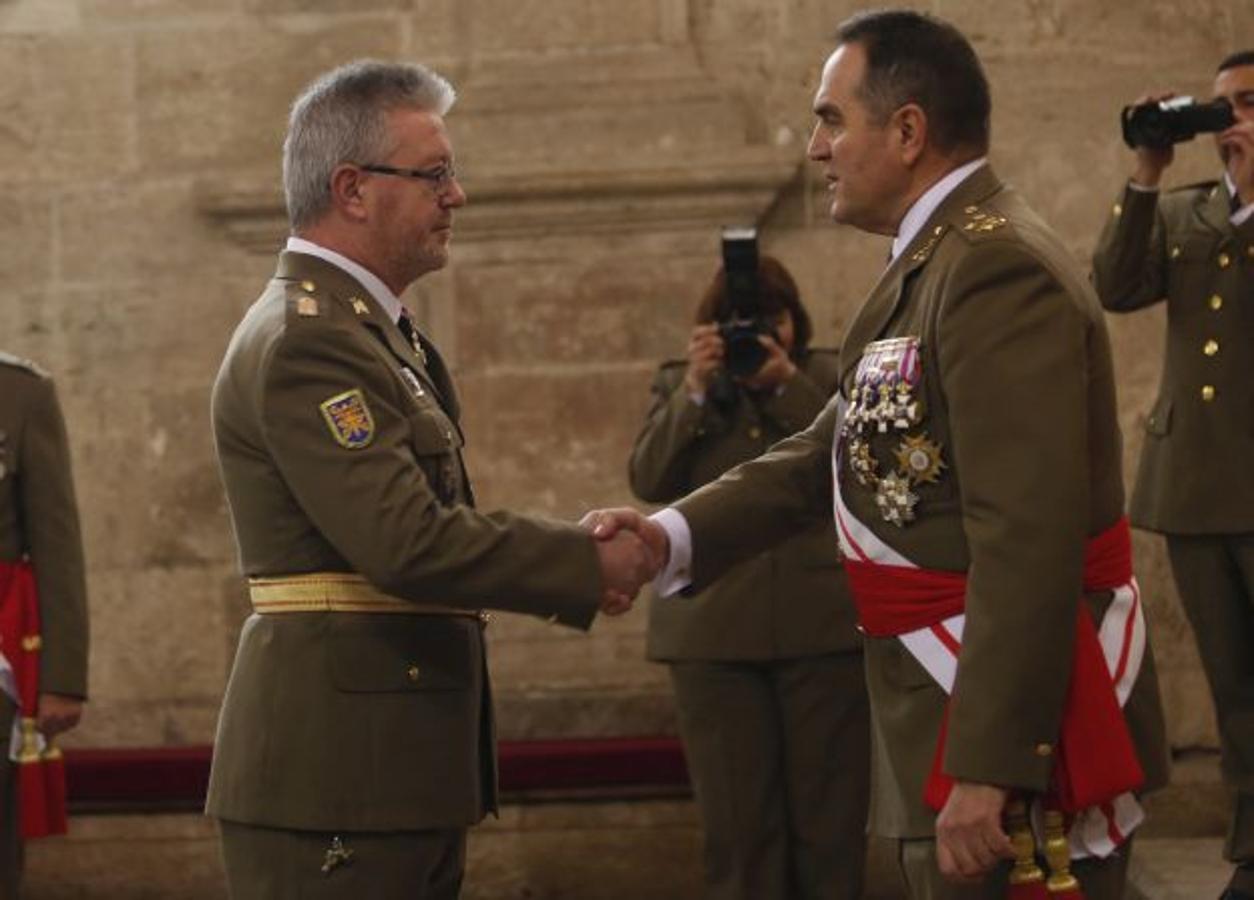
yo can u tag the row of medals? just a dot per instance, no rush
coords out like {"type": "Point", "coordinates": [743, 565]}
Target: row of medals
{"type": "Point", "coordinates": [885, 400]}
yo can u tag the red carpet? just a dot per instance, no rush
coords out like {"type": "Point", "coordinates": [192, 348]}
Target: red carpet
{"type": "Point", "coordinates": [139, 777]}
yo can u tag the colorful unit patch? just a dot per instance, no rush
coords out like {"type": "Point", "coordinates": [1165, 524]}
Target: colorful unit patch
{"type": "Point", "coordinates": [349, 419]}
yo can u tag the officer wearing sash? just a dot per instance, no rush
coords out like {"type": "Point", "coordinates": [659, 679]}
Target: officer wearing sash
{"type": "Point", "coordinates": [977, 494]}
{"type": "Point", "coordinates": [356, 742]}
{"type": "Point", "coordinates": [43, 610]}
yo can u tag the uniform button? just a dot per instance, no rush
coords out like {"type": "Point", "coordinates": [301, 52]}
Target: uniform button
{"type": "Point", "coordinates": [1216, 302]}
{"type": "Point", "coordinates": [1175, 252]}
{"type": "Point", "coordinates": [1044, 749]}
{"type": "Point", "coordinates": [1208, 392]}
{"type": "Point", "coordinates": [308, 287]}
{"type": "Point", "coordinates": [1211, 347]}
{"type": "Point", "coordinates": [755, 432]}
{"type": "Point", "coordinates": [484, 617]}
{"type": "Point", "coordinates": [1118, 209]}
{"type": "Point", "coordinates": [414, 673]}
{"type": "Point", "coordinates": [1224, 260]}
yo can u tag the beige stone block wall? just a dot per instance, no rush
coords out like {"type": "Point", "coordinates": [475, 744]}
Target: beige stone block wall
{"type": "Point", "coordinates": [603, 144]}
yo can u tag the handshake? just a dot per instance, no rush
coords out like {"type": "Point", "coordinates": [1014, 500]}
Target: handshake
{"type": "Point", "coordinates": [631, 549]}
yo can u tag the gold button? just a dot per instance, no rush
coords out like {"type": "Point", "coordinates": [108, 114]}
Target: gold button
{"type": "Point", "coordinates": [1175, 252]}
{"type": "Point", "coordinates": [414, 673]}
{"type": "Point", "coordinates": [1118, 209]}
{"type": "Point", "coordinates": [939, 229]}
{"type": "Point", "coordinates": [1044, 749]}
{"type": "Point", "coordinates": [755, 432]}
{"type": "Point", "coordinates": [484, 617]}
{"type": "Point", "coordinates": [1208, 392]}
{"type": "Point", "coordinates": [1216, 302]}
{"type": "Point", "coordinates": [1211, 347]}
{"type": "Point", "coordinates": [1224, 260]}
{"type": "Point", "coordinates": [308, 286]}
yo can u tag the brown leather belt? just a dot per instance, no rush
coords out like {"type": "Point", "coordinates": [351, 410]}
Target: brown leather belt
{"type": "Point", "coordinates": [339, 592]}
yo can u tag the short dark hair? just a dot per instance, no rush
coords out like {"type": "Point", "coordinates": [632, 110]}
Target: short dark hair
{"type": "Point", "coordinates": [912, 57]}
{"type": "Point", "coordinates": [1240, 58]}
{"type": "Point", "coordinates": [779, 294]}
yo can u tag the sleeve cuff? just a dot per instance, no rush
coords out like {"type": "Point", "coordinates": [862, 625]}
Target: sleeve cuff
{"type": "Point", "coordinates": [678, 572]}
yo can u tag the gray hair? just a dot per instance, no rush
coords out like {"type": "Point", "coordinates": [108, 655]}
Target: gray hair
{"type": "Point", "coordinates": [342, 117]}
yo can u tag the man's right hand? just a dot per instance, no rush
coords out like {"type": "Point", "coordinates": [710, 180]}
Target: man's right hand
{"type": "Point", "coordinates": [705, 357]}
{"type": "Point", "coordinates": [1151, 162]}
{"type": "Point", "coordinates": [632, 550]}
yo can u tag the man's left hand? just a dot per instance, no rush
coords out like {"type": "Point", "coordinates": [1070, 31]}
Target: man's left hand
{"type": "Point", "coordinates": [777, 369]}
{"type": "Point", "coordinates": [58, 713]}
{"type": "Point", "coordinates": [969, 838]}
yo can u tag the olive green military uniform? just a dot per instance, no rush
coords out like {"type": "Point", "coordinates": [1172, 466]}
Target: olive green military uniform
{"type": "Point", "coordinates": [1195, 483]}
{"type": "Point", "coordinates": [340, 451]}
{"type": "Point", "coordinates": [766, 662]}
{"type": "Point", "coordinates": [39, 521]}
{"type": "Point", "coordinates": [1017, 405]}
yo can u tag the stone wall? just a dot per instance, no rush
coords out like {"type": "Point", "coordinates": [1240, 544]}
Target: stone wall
{"type": "Point", "coordinates": [603, 144]}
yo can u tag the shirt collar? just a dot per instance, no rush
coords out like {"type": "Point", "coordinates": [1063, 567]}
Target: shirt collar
{"type": "Point", "coordinates": [1241, 213]}
{"type": "Point", "coordinates": [922, 210]}
{"type": "Point", "coordinates": [371, 282]}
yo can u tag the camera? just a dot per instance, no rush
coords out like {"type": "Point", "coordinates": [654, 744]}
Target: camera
{"type": "Point", "coordinates": [1160, 124]}
{"type": "Point", "coordinates": [743, 353]}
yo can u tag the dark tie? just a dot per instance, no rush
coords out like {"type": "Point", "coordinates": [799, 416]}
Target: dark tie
{"type": "Point", "coordinates": [406, 325]}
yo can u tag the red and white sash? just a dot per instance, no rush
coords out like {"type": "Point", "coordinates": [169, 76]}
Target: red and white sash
{"type": "Point", "coordinates": [1095, 831]}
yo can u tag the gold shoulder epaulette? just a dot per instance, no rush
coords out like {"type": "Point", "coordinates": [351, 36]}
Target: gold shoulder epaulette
{"type": "Point", "coordinates": [18, 362]}
{"type": "Point", "coordinates": [301, 296]}
{"type": "Point", "coordinates": [977, 221]}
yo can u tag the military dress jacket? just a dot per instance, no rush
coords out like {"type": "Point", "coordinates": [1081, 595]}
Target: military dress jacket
{"type": "Point", "coordinates": [1011, 453]}
{"type": "Point", "coordinates": [787, 602]}
{"type": "Point", "coordinates": [340, 450]}
{"type": "Point", "coordinates": [1181, 248]}
{"type": "Point", "coordinates": [39, 520]}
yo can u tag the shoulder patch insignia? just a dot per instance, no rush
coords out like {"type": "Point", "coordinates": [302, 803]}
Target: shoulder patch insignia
{"type": "Point", "coordinates": [349, 419]}
{"type": "Point", "coordinates": [307, 306]}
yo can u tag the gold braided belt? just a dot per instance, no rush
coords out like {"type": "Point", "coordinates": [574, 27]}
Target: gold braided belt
{"type": "Point", "coordinates": [338, 592]}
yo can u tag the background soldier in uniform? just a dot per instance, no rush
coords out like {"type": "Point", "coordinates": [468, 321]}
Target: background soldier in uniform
{"type": "Point", "coordinates": [356, 743]}
{"type": "Point", "coordinates": [1194, 248]}
{"type": "Point", "coordinates": [39, 524]}
{"type": "Point", "coordinates": [766, 664]}
{"type": "Point", "coordinates": [979, 458]}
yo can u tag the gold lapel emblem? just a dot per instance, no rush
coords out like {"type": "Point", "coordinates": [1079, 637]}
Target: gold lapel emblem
{"type": "Point", "coordinates": [337, 855]}
{"type": "Point", "coordinates": [359, 306]}
{"type": "Point", "coordinates": [982, 221]}
{"type": "Point", "coordinates": [306, 306]}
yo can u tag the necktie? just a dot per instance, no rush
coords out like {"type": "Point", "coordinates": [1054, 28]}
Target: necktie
{"type": "Point", "coordinates": [406, 325]}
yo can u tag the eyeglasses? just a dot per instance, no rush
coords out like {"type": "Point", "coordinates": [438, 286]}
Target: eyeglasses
{"type": "Point", "coordinates": [440, 177]}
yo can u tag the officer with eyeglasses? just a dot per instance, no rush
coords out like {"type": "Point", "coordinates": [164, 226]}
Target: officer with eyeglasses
{"type": "Point", "coordinates": [355, 743]}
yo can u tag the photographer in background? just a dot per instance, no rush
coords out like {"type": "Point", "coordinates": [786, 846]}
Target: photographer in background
{"type": "Point", "coordinates": [766, 664]}
{"type": "Point", "coordinates": [1194, 247]}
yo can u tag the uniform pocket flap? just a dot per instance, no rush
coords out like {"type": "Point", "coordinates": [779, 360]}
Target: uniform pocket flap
{"type": "Point", "coordinates": [401, 654]}
{"type": "Point", "coordinates": [433, 433]}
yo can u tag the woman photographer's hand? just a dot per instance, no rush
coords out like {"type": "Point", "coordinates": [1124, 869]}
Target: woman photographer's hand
{"type": "Point", "coordinates": [777, 369]}
{"type": "Point", "coordinates": [705, 357]}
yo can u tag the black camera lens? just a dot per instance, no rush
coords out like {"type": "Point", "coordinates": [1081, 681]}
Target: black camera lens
{"type": "Point", "coordinates": [1160, 124]}
{"type": "Point", "coordinates": [743, 353]}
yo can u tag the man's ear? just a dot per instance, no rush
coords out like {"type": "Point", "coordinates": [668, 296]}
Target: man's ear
{"type": "Point", "coordinates": [909, 125]}
{"type": "Point", "coordinates": [347, 191]}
